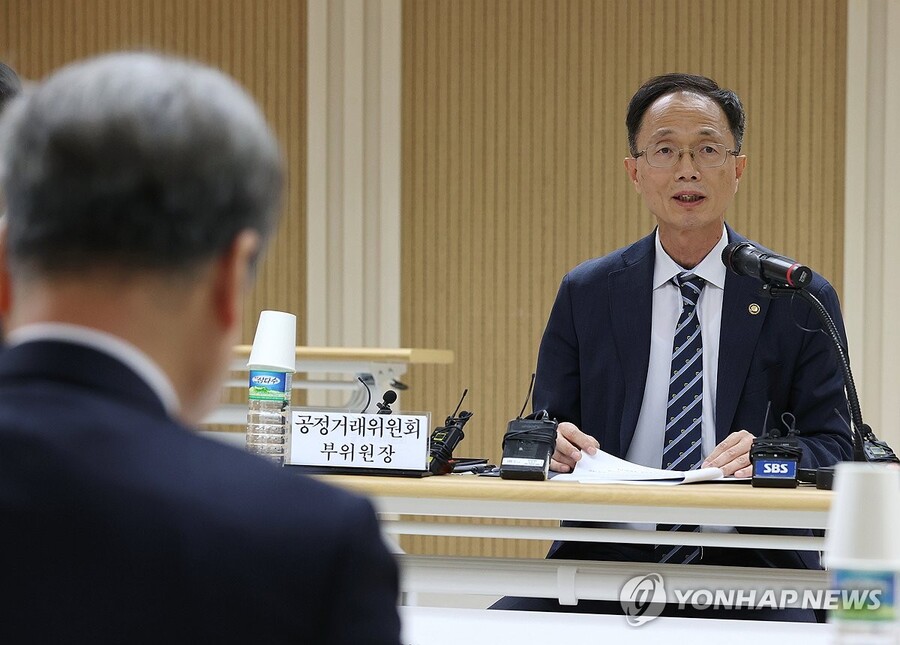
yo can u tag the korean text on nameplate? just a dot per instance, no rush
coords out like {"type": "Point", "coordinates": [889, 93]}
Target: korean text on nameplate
{"type": "Point", "coordinates": [354, 440]}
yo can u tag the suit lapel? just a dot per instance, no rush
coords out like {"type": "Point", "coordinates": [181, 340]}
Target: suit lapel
{"type": "Point", "coordinates": [631, 302]}
{"type": "Point", "coordinates": [737, 339]}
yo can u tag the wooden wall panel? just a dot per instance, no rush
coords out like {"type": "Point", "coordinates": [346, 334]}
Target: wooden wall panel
{"type": "Point", "coordinates": [261, 44]}
{"type": "Point", "coordinates": [513, 141]}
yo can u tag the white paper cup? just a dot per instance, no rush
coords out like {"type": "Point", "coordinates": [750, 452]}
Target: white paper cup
{"type": "Point", "coordinates": [864, 523]}
{"type": "Point", "coordinates": [274, 346]}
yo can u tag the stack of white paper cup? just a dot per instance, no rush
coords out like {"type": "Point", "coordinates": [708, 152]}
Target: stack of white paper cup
{"type": "Point", "coordinates": [274, 344]}
{"type": "Point", "coordinates": [862, 553]}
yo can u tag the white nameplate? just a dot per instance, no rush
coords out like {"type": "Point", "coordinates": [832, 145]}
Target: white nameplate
{"type": "Point", "coordinates": [353, 440]}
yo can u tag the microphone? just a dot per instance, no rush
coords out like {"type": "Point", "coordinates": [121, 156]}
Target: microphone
{"type": "Point", "coordinates": [782, 278]}
{"type": "Point", "coordinates": [386, 400]}
{"type": "Point", "coordinates": [745, 259]}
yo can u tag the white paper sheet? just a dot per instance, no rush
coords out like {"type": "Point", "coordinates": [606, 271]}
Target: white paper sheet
{"type": "Point", "coordinates": [605, 468]}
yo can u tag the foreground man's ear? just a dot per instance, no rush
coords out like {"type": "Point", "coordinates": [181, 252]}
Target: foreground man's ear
{"type": "Point", "coordinates": [232, 274]}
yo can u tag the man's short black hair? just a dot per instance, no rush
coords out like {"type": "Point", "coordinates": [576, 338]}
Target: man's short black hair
{"type": "Point", "coordinates": [666, 84]}
{"type": "Point", "coordinates": [10, 85]}
{"type": "Point", "coordinates": [134, 162]}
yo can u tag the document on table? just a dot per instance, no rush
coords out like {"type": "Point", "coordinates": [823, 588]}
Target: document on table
{"type": "Point", "coordinates": [603, 468]}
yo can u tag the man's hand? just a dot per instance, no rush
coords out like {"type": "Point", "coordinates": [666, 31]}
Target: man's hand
{"type": "Point", "coordinates": [732, 455]}
{"type": "Point", "coordinates": [570, 441]}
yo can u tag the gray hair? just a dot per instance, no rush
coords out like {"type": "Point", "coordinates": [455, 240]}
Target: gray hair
{"type": "Point", "coordinates": [135, 162]}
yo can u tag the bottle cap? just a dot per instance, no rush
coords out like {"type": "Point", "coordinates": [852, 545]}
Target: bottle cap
{"type": "Point", "coordinates": [865, 518]}
{"type": "Point", "coordinates": [274, 346]}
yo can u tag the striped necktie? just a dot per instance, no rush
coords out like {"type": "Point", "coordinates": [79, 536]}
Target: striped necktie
{"type": "Point", "coordinates": [684, 409]}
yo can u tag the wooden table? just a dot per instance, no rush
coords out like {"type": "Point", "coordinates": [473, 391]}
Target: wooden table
{"type": "Point", "coordinates": [410, 507]}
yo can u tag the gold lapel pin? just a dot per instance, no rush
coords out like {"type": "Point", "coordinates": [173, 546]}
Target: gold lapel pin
{"type": "Point", "coordinates": [753, 309]}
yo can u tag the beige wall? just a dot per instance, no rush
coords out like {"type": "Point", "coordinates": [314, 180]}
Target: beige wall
{"type": "Point", "coordinates": [513, 141]}
{"type": "Point", "coordinates": [872, 210]}
{"type": "Point", "coordinates": [262, 44]}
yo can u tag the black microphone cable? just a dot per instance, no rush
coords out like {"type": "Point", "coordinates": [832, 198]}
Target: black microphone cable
{"type": "Point", "coordinates": [834, 335]}
{"type": "Point", "coordinates": [368, 394]}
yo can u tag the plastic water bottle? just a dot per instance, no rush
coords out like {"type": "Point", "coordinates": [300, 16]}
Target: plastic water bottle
{"type": "Point", "coordinates": [272, 363]}
{"type": "Point", "coordinates": [268, 414]}
{"type": "Point", "coordinates": [856, 619]}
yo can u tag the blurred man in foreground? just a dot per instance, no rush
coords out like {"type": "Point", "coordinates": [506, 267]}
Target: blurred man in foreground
{"type": "Point", "coordinates": [141, 191]}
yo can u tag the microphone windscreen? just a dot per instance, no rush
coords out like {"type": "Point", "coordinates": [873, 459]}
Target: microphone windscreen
{"type": "Point", "coordinates": [389, 397]}
{"type": "Point", "coordinates": [742, 258]}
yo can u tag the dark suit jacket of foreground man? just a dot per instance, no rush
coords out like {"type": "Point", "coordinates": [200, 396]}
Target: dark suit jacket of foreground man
{"type": "Point", "coordinates": [596, 379]}
{"type": "Point", "coordinates": [120, 525]}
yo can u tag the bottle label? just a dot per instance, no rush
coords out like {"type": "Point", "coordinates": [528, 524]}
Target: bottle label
{"type": "Point", "coordinates": [864, 595]}
{"type": "Point", "coordinates": [269, 386]}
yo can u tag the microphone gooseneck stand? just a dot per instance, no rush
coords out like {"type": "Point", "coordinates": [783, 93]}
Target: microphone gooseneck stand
{"type": "Point", "coordinates": [861, 433]}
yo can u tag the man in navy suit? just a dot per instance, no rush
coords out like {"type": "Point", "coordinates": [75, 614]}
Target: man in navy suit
{"type": "Point", "coordinates": [609, 359]}
{"type": "Point", "coordinates": [141, 191]}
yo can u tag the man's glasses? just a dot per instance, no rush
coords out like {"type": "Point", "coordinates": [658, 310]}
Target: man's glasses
{"type": "Point", "coordinates": [705, 155]}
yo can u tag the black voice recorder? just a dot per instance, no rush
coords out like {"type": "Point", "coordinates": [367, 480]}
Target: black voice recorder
{"type": "Point", "coordinates": [528, 444]}
{"type": "Point", "coordinates": [445, 438]}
